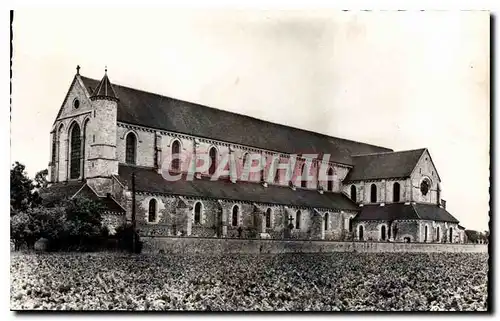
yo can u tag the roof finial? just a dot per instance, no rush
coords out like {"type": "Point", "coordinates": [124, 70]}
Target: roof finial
{"type": "Point", "coordinates": [105, 69]}
{"type": "Point", "coordinates": [77, 69]}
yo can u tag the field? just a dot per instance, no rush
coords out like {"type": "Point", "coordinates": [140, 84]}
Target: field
{"type": "Point", "coordinates": [291, 282]}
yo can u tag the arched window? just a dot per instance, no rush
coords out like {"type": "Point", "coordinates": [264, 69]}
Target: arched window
{"type": "Point", "coordinates": [438, 233]}
{"type": "Point", "coordinates": [213, 160]}
{"type": "Point", "coordinates": [176, 149]}
{"type": "Point", "coordinates": [245, 161]}
{"type": "Point", "coordinates": [297, 220]}
{"type": "Point", "coordinates": [58, 152]}
{"type": "Point", "coordinates": [76, 151]}
{"type": "Point", "coordinates": [329, 186]}
{"type": "Point", "coordinates": [303, 174]}
{"type": "Point", "coordinates": [84, 144]}
{"type": "Point", "coordinates": [152, 211]}
{"type": "Point", "coordinates": [353, 193]}
{"type": "Point", "coordinates": [277, 177]}
{"type": "Point", "coordinates": [382, 233]}
{"type": "Point", "coordinates": [197, 213]}
{"type": "Point", "coordinates": [326, 221]}
{"type": "Point", "coordinates": [54, 146]}
{"type": "Point", "coordinates": [130, 148]}
{"type": "Point", "coordinates": [426, 233]}
{"type": "Point", "coordinates": [268, 218]}
{"type": "Point", "coordinates": [361, 236]}
{"type": "Point", "coordinates": [350, 224]}
{"type": "Point", "coordinates": [235, 215]}
{"type": "Point", "coordinates": [373, 193]}
{"type": "Point", "coordinates": [396, 192]}
{"type": "Point", "coordinates": [451, 235]}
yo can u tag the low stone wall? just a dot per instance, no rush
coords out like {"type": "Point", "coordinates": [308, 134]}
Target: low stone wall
{"type": "Point", "coordinates": [214, 246]}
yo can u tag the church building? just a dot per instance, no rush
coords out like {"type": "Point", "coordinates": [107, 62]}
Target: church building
{"type": "Point", "coordinates": [105, 134]}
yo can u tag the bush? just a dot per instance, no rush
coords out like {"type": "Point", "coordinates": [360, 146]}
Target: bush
{"type": "Point", "coordinates": [71, 225]}
{"type": "Point", "coordinates": [28, 226]}
{"type": "Point", "coordinates": [125, 236]}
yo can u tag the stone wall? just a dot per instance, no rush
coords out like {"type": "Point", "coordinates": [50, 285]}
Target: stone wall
{"type": "Point", "coordinates": [413, 229]}
{"type": "Point", "coordinates": [214, 246]}
{"type": "Point", "coordinates": [176, 214]}
{"type": "Point", "coordinates": [384, 191]}
{"type": "Point", "coordinates": [112, 221]}
{"type": "Point", "coordinates": [146, 151]}
{"type": "Point", "coordinates": [424, 169]}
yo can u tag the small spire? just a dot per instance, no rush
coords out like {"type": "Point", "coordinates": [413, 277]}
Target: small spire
{"type": "Point", "coordinates": [104, 89]}
{"type": "Point", "coordinates": [77, 69]}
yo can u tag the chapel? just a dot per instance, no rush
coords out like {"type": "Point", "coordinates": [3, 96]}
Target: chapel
{"type": "Point", "coordinates": [111, 143]}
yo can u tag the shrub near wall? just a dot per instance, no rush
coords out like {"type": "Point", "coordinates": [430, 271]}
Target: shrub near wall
{"type": "Point", "coordinates": [214, 245]}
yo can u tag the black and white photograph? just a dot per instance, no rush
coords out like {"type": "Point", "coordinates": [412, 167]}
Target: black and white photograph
{"type": "Point", "coordinates": [241, 160]}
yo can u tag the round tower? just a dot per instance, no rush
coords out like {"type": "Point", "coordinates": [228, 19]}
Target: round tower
{"type": "Point", "coordinates": [102, 160]}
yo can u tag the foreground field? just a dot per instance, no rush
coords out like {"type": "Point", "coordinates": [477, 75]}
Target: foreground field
{"type": "Point", "coordinates": [292, 282]}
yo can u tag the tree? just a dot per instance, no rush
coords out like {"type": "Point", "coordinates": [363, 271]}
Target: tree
{"type": "Point", "coordinates": [19, 231]}
{"type": "Point", "coordinates": [22, 194]}
{"type": "Point", "coordinates": [486, 236]}
{"type": "Point", "coordinates": [83, 217]}
{"type": "Point", "coordinates": [41, 179]}
{"type": "Point", "coordinates": [28, 226]}
{"type": "Point", "coordinates": [73, 224]}
{"type": "Point", "coordinates": [472, 236]}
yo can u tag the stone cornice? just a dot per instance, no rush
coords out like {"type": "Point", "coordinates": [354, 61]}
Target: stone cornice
{"type": "Point", "coordinates": [73, 116]}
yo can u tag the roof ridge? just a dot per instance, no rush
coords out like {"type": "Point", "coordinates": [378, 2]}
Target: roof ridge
{"type": "Point", "coordinates": [247, 116]}
{"type": "Point", "coordinates": [393, 152]}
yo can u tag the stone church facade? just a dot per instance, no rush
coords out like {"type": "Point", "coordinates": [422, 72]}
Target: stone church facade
{"type": "Point", "coordinates": [105, 133]}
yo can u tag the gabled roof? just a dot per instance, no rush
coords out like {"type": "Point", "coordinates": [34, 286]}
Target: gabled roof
{"type": "Point", "coordinates": [164, 113]}
{"type": "Point", "coordinates": [148, 180]}
{"type": "Point", "coordinates": [66, 190]}
{"type": "Point", "coordinates": [400, 211]}
{"type": "Point", "coordinates": [104, 89]}
{"type": "Point", "coordinates": [58, 191]}
{"type": "Point", "coordinates": [384, 165]}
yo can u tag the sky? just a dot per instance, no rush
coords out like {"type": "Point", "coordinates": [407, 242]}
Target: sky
{"type": "Point", "coordinates": [402, 80]}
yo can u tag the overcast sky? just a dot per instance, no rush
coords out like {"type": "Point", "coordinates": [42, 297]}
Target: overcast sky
{"type": "Point", "coordinates": [402, 80]}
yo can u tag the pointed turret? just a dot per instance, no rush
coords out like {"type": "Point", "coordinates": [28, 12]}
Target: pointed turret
{"type": "Point", "coordinates": [103, 162]}
{"type": "Point", "coordinates": [105, 89]}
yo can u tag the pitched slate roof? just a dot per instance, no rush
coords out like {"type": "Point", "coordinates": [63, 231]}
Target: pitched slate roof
{"type": "Point", "coordinates": [160, 112]}
{"type": "Point", "coordinates": [400, 211]}
{"type": "Point", "coordinates": [64, 190]}
{"type": "Point", "coordinates": [148, 180]}
{"type": "Point", "coordinates": [384, 165]}
{"type": "Point", "coordinates": [434, 213]}
{"type": "Point", "coordinates": [104, 89]}
{"type": "Point", "coordinates": [58, 191]}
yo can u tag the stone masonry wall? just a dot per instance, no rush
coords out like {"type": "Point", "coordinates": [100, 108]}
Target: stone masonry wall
{"type": "Point", "coordinates": [215, 246]}
{"type": "Point", "coordinates": [424, 169]}
{"type": "Point", "coordinates": [216, 219]}
{"type": "Point", "coordinates": [188, 147]}
{"type": "Point", "coordinates": [384, 191]}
